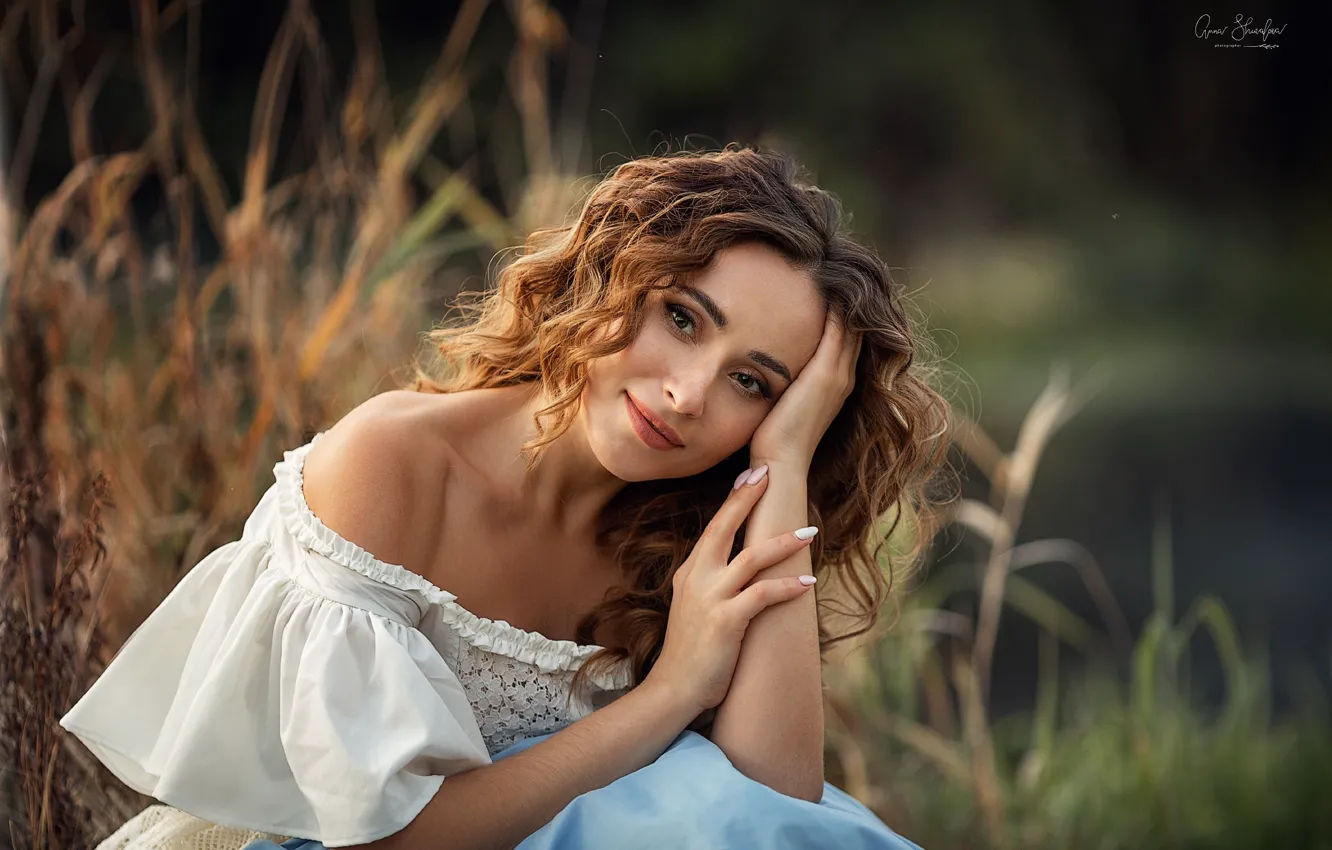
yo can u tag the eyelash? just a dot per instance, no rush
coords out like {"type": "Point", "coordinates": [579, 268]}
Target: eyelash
{"type": "Point", "coordinates": [672, 310]}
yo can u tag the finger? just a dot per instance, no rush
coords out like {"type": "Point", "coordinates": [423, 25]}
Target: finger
{"type": "Point", "coordinates": [833, 344]}
{"type": "Point", "coordinates": [765, 594]}
{"type": "Point", "coordinates": [853, 359]}
{"type": "Point", "coordinates": [833, 333]}
{"type": "Point", "coordinates": [718, 535]}
{"type": "Point", "coordinates": [757, 558]}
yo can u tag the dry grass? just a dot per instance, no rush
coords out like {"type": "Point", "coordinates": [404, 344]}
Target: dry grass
{"type": "Point", "coordinates": [49, 632]}
{"type": "Point", "coordinates": [145, 380]}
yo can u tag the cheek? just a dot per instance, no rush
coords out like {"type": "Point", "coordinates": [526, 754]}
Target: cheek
{"type": "Point", "coordinates": [644, 356]}
{"type": "Point", "coordinates": [652, 340]}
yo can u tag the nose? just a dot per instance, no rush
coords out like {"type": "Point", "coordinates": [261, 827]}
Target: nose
{"type": "Point", "coordinates": [686, 395]}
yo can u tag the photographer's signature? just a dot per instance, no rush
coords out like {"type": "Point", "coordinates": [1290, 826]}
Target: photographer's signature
{"type": "Point", "coordinates": [1237, 32]}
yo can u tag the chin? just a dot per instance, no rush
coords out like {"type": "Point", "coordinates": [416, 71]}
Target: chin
{"type": "Point", "coordinates": [629, 460]}
{"type": "Point", "coordinates": [623, 455]}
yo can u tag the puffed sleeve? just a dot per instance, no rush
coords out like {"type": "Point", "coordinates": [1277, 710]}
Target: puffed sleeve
{"type": "Point", "coordinates": [284, 686]}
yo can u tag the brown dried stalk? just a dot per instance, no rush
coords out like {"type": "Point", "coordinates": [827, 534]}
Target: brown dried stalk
{"type": "Point", "coordinates": [49, 632]}
{"type": "Point", "coordinates": [1055, 405]}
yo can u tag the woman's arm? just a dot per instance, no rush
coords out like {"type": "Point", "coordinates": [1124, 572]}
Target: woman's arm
{"type": "Point", "coordinates": [499, 805]}
{"type": "Point", "coordinates": [771, 723]}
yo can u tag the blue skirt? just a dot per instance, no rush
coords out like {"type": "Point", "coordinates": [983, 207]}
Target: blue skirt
{"type": "Point", "coordinates": [693, 798]}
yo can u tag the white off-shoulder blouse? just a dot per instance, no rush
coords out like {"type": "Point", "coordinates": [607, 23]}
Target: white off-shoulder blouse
{"type": "Point", "coordinates": [294, 685]}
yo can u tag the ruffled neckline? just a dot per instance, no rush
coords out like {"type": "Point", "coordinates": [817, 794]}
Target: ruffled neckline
{"type": "Point", "coordinates": [496, 636]}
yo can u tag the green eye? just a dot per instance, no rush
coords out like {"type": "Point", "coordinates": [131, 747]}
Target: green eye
{"type": "Point", "coordinates": [675, 314]}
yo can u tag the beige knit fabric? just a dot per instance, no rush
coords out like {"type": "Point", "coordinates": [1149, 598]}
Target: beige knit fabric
{"type": "Point", "coordinates": [160, 827]}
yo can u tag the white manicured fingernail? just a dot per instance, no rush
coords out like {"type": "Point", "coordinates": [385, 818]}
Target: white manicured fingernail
{"type": "Point", "coordinates": [740, 479]}
{"type": "Point", "coordinates": [806, 532]}
{"type": "Point", "coordinates": [757, 475]}
{"type": "Point", "coordinates": [807, 580]}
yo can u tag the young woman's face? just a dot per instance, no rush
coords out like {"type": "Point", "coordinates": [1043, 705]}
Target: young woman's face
{"type": "Point", "coordinates": [712, 379]}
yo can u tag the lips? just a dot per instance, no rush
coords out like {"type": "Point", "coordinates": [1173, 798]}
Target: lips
{"type": "Point", "coordinates": [656, 421]}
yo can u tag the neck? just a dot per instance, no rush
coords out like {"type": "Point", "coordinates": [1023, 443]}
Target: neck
{"type": "Point", "coordinates": [568, 488]}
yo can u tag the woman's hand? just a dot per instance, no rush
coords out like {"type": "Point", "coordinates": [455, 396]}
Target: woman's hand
{"type": "Point", "coordinates": [711, 607]}
{"type": "Point", "coordinates": [792, 429]}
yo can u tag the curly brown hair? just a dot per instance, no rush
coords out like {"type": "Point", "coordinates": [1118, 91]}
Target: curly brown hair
{"type": "Point", "coordinates": [651, 224]}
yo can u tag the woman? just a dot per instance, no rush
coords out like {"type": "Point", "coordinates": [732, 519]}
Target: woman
{"type": "Point", "coordinates": [420, 641]}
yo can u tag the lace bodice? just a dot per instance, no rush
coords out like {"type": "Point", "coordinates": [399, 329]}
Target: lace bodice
{"type": "Point", "coordinates": [512, 699]}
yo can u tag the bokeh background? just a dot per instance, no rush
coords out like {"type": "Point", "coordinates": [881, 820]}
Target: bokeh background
{"type": "Point", "coordinates": [227, 221]}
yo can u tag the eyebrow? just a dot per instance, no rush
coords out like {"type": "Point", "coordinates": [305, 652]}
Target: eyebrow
{"type": "Point", "coordinates": [714, 312]}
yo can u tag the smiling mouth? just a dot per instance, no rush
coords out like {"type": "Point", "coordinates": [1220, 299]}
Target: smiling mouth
{"type": "Point", "coordinates": [658, 430]}
{"type": "Point", "coordinates": [648, 419]}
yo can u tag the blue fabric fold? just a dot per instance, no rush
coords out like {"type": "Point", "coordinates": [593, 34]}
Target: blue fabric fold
{"type": "Point", "coordinates": [693, 798]}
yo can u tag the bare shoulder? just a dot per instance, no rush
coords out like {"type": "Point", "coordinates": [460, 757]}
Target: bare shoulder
{"type": "Point", "coordinates": [376, 477]}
